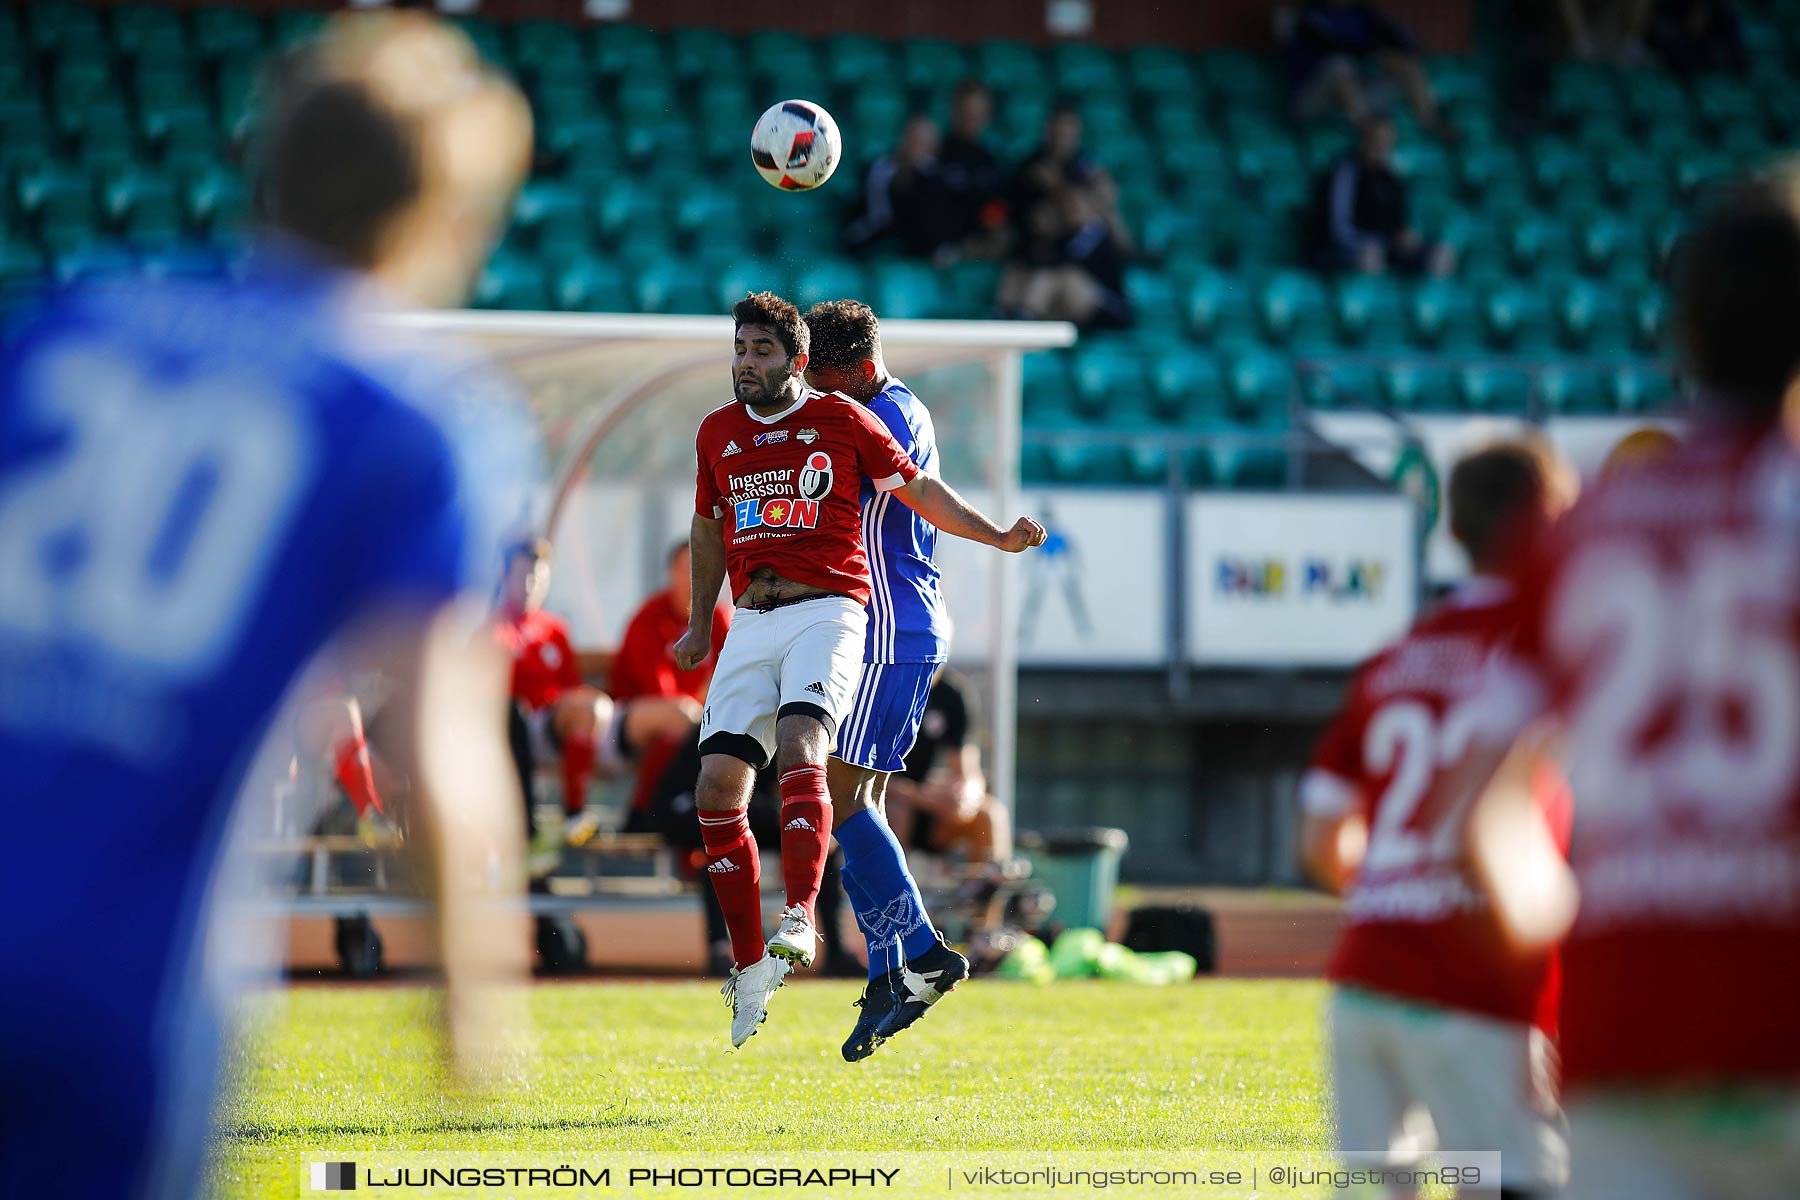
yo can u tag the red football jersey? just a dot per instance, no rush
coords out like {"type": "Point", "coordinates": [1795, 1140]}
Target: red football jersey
{"type": "Point", "coordinates": [789, 488]}
{"type": "Point", "coordinates": [544, 664]}
{"type": "Point", "coordinates": [645, 663]}
{"type": "Point", "coordinates": [1662, 624]}
{"type": "Point", "coordinates": [1416, 923]}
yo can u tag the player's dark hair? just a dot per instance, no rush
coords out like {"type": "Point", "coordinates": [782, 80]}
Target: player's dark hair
{"type": "Point", "coordinates": [844, 333]}
{"type": "Point", "coordinates": [1494, 493]}
{"type": "Point", "coordinates": [776, 315]}
{"type": "Point", "coordinates": [1737, 293]}
{"type": "Point", "coordinates": [336, 165]}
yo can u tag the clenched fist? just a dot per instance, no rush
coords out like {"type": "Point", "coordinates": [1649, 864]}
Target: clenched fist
{"type": "Point", "coordinates": [1024, 534]}
{"type": "Point", "coordinates": [693, 648]}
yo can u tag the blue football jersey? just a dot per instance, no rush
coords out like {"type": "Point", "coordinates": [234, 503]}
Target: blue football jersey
{"type": "Point", "coordinates": [907, 621]}
{"type": "Point", "coordinates": [200, 485]}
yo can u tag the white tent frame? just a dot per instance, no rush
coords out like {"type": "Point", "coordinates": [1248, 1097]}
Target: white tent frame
{"type": "Point", "coordinates": [517, 336]}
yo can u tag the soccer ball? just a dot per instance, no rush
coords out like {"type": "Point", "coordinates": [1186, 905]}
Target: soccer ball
{"type": "Point", "coordinates": [796, 146]}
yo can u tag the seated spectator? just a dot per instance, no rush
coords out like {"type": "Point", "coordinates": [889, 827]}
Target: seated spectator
{"type": "Point", "coordinates": [1358, 220]}
{"type": "Point", "coordinates": [940, 802]}
{"type": "Point", "coordinates": [1331, 45]}
{"type": "Point", "coordinates": [1691, 36]}
{"type": "Point", "coordinates": [577, 726]}
{"type": "Point", "coordinates": [1070, 244]}
{"type": "Point", "coordinates": [645, 667]}
{"type": "Point", "coordinates": [970, 174]}
{"type": "Point", "coordinates": [903, 202]}
{"type": "Point", "coordinates": [1606, 30]}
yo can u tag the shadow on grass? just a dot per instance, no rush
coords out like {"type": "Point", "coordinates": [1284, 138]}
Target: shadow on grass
{"type": "Point", "coordinates": [252, 1133]}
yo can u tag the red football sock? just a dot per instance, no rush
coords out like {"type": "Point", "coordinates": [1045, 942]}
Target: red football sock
{"type": "Point", "coordinates": [805, 833]}
{"type": "Point", "coordinates": [356, 777]}
{"type": "Point", "coordinates": [736, 873]}
{"type": "Point", "coordinates": [577, 766]}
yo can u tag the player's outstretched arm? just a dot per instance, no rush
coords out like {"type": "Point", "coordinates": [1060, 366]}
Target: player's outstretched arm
{"type": "Point", "coordinates": [445, 729]}
{"type": "Point", "coordinates": [706, 546]}
{"type": "Point", "coordinates": [940, 504]}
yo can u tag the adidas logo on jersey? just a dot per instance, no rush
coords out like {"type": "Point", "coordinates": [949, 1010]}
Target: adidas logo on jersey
{"type": "Point", "coordinates": [816, 687]}
{"type": "Point", "coordinates": [723, 867]}
{"type": "Point", "coordinates": [730, 449]}
{"type": "Point", "coordinates": [796, 823]}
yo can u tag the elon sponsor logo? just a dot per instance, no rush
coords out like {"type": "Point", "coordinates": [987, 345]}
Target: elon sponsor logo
{"type": "Point", "coordinates": [776, 514]}
{"type": "Point", "coordinates": [772, 437]}
{"type": "Point", "coordinates": [815, 476]}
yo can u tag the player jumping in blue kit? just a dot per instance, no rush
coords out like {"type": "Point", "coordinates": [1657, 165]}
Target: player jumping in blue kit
{"type": "Point", "coordinates": [910, 967]}
{"type": "Point", "coordinates": [204, 487]}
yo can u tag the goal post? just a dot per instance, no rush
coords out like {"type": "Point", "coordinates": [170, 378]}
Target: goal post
{"type": "Point", "coordinates": [618, 399]}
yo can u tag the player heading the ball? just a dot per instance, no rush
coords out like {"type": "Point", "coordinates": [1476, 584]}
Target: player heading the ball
{"type": "Point", "coordinates": [778, 506]}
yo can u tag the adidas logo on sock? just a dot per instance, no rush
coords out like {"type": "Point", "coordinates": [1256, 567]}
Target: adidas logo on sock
{"type": "Point", "coordinates": [798, 823]}
{"type": "Point", "coordinates": [816, 687]}
{"type": "Point", "coordinates": [723, 867]}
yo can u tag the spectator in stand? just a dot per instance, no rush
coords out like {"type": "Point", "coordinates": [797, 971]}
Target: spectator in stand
{"type": "Point", "coordinates": [1359, 216]}
{"type": "Point", "coordinates": [904, 203]}
{"type": "Point", "coordinates": [970, 174]}
{"type": "Point", "coordinates": [941, 802]}
{"type": "Point", "coordinates": [1609, 30]}
{"type": "Point", "coordinates": [1328, 53]}
{"type": "Point", "coordinates": [569, 722]}
{"type": "Point", "coordinates": [1691, 36]}
{"type": "Point", "coordinates": [1070, 243]}
{"type": "Point", "coordinates": [645, 667]}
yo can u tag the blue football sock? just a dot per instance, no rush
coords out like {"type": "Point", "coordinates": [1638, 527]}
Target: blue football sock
{"type": "Point", "coordinates": [884, 952]}
{"type": "Point", "coordinates": [890, 905]}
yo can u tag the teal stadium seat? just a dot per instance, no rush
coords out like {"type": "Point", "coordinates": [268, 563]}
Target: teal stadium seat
{"type": "Point", "coordinates": [1517, 318]}
{"type": "Point", "coordinates": [830, 279]}
{"type": "Point", "coordinates": [1647, 308]}
{"type": "Point", "coordinates": [1187, 388]}
{"type": "Point", "coordinates": [1341, 386]}
{"type": "Point", "coordinates": [666, 285]}
{"type": "Point", "coordinates": [905, 290]}
{"type": "Point", "coordinates": [214, 196]}
{"type": "Point", "coordinates": [587, 283]}
{"type": "Point", "coordinates": [1642, 388]}
{"type": "Point", "coordinates": [513, 281]}
{"type": "Point", "coordinates": [1446, 316]}
{"type": "Point", "coordinates": [625, 51]}
{"type": "Point", "coordinates": [1574, 390]}
{"type": "Point", "coordinates": [702, 54]}
{"type": "Point", "coordinates": [1594, 319]}
{"type": "Point", "coordinates": [1048, 398]}
{"type": "Point", "coordinates": [1295, 312]}
{"type": "Point", "coordinates": [1153, 299]}
{"type": "Point", "coordinates": [1219, 308]}
{"type": "Point", "coordinates": [1417, 385]}
{"type": "Point", "coordinates": [226, 34]}
{"type": "Point", "coordinates": [1110, 385]}
{"type": "Point", "coordinates": [93, 259]}
{"type": "Point", "coordinates": [1259, 387]}
{"type": "Point", "coordinates": [1498, 390]}
{"type": "Point", "coordinates": [1371, 312]}
{"type": "Point", "coordinates": [933, 65]}
{"type": "Point", "coordinates": [742, 276]}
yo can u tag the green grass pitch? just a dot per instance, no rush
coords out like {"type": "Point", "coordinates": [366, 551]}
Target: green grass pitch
{"type": "Point", "coordinates": [1215, 1065]}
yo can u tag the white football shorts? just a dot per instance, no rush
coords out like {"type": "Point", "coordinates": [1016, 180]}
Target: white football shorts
{"type": "Point", "coordinates": [800, 658]}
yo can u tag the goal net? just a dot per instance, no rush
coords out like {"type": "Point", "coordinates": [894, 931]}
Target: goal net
{"type": "Point", "coordinates": [619, 398]}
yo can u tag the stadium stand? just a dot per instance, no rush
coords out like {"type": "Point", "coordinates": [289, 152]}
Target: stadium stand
{"type": "Point", "coordinates": [122, 135]}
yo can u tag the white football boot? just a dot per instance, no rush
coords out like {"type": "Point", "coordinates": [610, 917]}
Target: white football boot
{"type": "Point", "coordinates": [748, 992]}
{"type": "Point", "coordinates": [795, 939]}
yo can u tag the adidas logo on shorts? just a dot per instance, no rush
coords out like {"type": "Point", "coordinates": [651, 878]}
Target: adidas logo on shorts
{"type": "Point", "coordinates": [796, 823]}
{"type": "Point", "coordinates": [723, 867]}
{"type": "Point", "coordinates": [816, 687]}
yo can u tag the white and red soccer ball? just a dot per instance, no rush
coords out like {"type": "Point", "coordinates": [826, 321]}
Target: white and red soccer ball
{"type": "Point", "coordinates": [796, 145]}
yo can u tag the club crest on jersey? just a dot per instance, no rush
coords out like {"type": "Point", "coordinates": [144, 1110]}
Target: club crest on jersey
{"type": "Point", "coordinates": [772, 437]}
{"type": "Point", "coordinates": [776, 514]}
{"type": "Point", "coordinates": [808, 436]}
{"type": "Point", "coordinates": [815, 476]}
